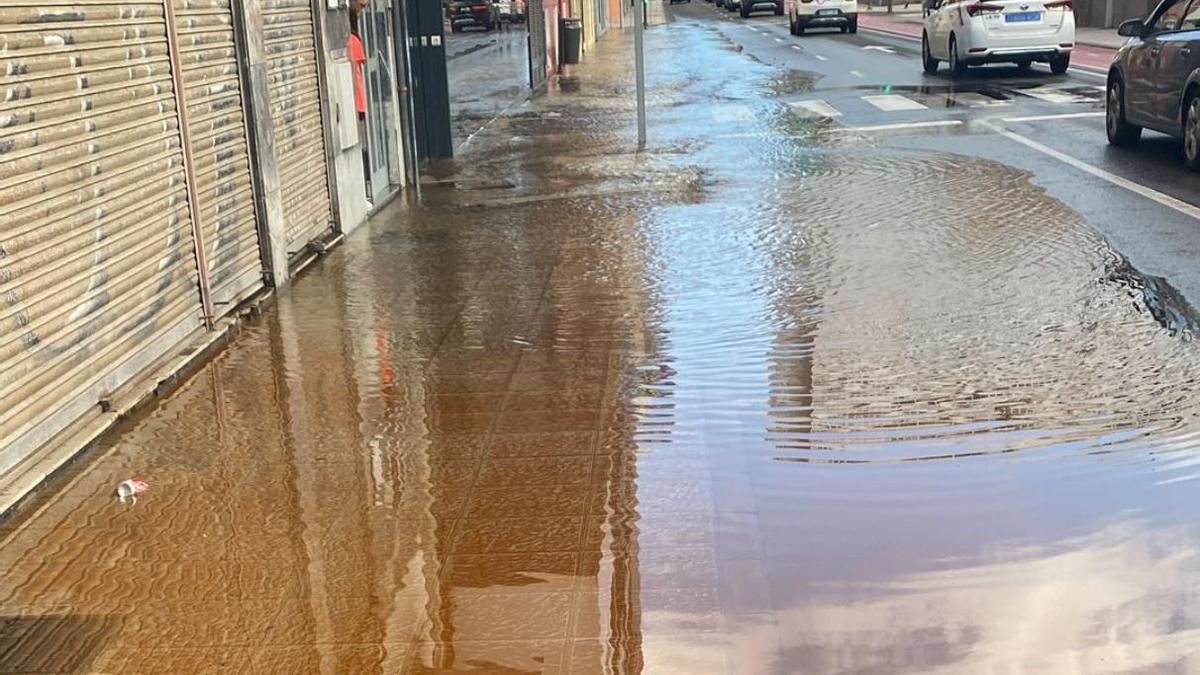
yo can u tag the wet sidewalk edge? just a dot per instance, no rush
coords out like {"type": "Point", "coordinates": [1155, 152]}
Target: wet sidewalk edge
{"type": "Point", "coordinates": [41, 472]}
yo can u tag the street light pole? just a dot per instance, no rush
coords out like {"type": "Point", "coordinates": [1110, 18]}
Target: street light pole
{"type": "Point", "coordinates": [639, 55]}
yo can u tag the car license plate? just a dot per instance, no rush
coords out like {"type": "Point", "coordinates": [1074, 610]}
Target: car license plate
{"type": "Point", "coordinates": [1022, 17]}
{"type": "Point", "coordinates": [827, 12]}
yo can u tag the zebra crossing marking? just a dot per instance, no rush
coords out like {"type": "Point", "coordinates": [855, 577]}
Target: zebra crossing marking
{"type": "Point", "coordinates": [900, 103]}
{"type": "Point", "coordinates": [818, 108]}
{"type": "Point", "coordinates": [893, 102]}
{"type": "Point", "coordinates": [973, 99]}
{"type": "Point", "coordinates": [1052, 95]}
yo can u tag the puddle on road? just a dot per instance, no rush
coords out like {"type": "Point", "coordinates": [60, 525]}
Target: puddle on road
{"type": "Point", "coordinates": [794, 82]}
{"type": "Point", "coordinates": [660, 430]}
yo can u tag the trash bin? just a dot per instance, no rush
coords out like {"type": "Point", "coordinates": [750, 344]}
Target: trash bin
{"type": "Point", "coordinates": [571, 32]}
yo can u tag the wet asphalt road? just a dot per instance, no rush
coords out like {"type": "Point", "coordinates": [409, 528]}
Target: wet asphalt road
{"type": "Point", "coordinates": [787, 393]}
{"type": "Point", "coordinates": [487, 73]}
{"type": "Point", "coordinates": [1064, 114]}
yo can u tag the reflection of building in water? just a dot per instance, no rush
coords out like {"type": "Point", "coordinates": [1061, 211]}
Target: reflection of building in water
{"type": "Point", "coordinates": [534, 374]}
{"type": "Point", "coordinates": [442, 462]}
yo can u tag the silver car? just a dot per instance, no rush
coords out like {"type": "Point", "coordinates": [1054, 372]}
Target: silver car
{"type": "Point", "coordinates": [1154, 80]}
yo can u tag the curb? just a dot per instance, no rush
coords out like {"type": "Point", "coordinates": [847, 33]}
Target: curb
{"type": "Point", "coordinates": [45, 470]}
{"type": "Point", "coordinates": [42, 471]}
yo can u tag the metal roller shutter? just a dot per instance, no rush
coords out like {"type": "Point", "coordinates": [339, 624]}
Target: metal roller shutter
{"type": "Point", "coordinates": [97, 274]}
{"type": "Point", "coordinates": [224, 190]}
{"type": "Point", "coordinates": [296, 117]}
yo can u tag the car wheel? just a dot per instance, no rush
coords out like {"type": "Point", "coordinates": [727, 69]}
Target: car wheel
{"type": "Point", "coordinates": [929, 63]}
{"type": "Point", "coordinates": [1059, 64]}
{"type": "Point", "coordinates": [1191, 131]}
{"type": "Point", "coordinates": [957, 67]}
{"type": "Point", "coordinates": [844, 29]}
{"type": "Point", "coordinates": [1119, 131]}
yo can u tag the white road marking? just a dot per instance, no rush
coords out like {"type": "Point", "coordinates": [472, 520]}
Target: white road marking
{"type": "Point", "coordinates": [798, 48]}
{"type": "Point", "coordinates": [1052, 95]}
{"type": "Point", "coordinates": [895, 127]}
{"type": "Point", "coordinates": [850, 130]}
{"type": "Point", "coordinates": [816, 108]}
{"type": "Point", "coordinates": [779, 39]}
{"type": "Point", "coordinates": [820, 58]}
{"type": "Point", "coordinates": [856, 73]}
{"type": "Point", "coordinates": [1063, 116]}
{"type": "Point", "coordinates": [1136, 188]}
{"type": "Point", "coordinates": [976, 100]}
{"type": "Point", "coordinates": [889, 50]}
{"type": "Point", "coordinates": [893, 102]}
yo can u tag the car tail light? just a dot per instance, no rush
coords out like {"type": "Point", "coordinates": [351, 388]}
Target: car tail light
{"type": "Point", "coordinates": [479, 8]}
{"type": "Point", "coordinates": [1061, 4]}
{"type": "Point", "coordinates": [977, 8]}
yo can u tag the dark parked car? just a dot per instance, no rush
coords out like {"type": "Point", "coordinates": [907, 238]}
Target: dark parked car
{"type": "Point", "coordinates": [1154, 80]}
{"type": "Point", "coordinates": [467, 13]}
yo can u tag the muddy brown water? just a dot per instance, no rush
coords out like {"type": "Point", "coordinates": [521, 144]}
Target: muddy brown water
{"type": "Point", "coordinates": [658, 415]}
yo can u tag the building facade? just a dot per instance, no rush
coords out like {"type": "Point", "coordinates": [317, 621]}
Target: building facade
{"type": "Point", "coordinates": [161, 163]}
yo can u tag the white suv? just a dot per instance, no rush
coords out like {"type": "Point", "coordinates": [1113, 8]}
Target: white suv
{"type": "Point", "coordinates": [972, 32]}
{"type": "Point", "coordinates": [822, 14]}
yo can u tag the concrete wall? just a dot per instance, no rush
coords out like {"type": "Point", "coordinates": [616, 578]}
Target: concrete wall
{"type": "Point", "coordinates": [1110, 13]}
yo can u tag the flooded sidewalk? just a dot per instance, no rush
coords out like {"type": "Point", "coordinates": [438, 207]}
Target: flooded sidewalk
{"type": "Point", "coordinates": [724, 406]}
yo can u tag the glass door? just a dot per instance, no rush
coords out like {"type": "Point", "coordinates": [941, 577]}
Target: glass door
{"type": "Point", "coordinates": [382, 113]}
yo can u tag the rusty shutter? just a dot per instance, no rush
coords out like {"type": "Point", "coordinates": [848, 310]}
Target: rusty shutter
{"type": "Point", "coordinates": [219, 150]}
{"type": "Point", "coordinates": [290, 42]}
{"type": "Point", "coordinates": [97, 274]}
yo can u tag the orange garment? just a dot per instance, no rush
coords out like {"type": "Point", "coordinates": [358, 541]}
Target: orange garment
{"type": "Point", "coordinates": [358, 56]}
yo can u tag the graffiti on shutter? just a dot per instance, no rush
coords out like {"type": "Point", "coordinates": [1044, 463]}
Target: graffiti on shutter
{"type": "Point", "coordinates": [220, 156]}
{"type": "Point", "coordinates": [97, 278]}
{"type": "Point", "coordinates": [296, 117]}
